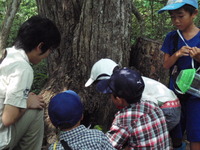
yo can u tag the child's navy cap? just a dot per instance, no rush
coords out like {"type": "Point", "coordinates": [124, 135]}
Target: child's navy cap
{"type": "Point", "coordinates": [124, 83]}
{"type": "Point", "coordinates": [176, 4]}
{"type": "Point", "coordinates": [65, 108]}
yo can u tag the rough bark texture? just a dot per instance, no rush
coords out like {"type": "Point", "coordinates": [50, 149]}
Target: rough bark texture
{"type": "Point", "coordinates": [147, 57]}
{"type": "Point", "coordinates": [7, 23]}
{"type": "Point", "coordinates": [91, 29]}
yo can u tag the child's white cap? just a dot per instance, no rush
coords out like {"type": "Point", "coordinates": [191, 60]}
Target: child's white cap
{"type": "Point", "coordinates": [101, 70]}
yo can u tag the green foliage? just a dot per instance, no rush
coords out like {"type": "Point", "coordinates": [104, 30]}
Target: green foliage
{"type": "Point", "coordinates": [156, 26]}
{"type": "Point", "coordinates": [2, 10]}
{"type": "Point", "coordinates": [27, 9]}
{"type": "Point", "coordinates": [40, 76]}
{"type": "Point", "coordinates": [99, 127]}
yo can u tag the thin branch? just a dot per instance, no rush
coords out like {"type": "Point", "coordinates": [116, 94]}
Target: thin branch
{"type": "Point", "coordinates": [139, 18]}
{"type": "Point", "coordinates": [7, 23]}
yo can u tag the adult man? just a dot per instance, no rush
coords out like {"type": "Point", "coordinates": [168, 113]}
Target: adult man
{"type": "Point", "coordinates": [21, 112]}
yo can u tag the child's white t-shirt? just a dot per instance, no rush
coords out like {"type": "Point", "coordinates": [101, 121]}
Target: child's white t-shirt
{"type": "Point", "coordinates": [157, 92]}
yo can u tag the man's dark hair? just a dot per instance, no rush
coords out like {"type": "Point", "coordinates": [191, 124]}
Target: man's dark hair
{"type": "Point", "coordinates": [188, 8]}
{"type": "Point", "coordinates": [37, 30]}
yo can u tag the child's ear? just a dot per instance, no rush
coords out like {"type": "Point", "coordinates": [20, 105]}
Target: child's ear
{"type": "Point", "coordinates": [196, 12]}
{"type": "Point", "coordinates": [39, 47]}
{"type": "Point", "coordinates": [119, 100]}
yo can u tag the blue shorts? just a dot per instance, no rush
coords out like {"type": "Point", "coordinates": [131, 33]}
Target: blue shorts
{"type": "Point", "coordinates": [190, 120]}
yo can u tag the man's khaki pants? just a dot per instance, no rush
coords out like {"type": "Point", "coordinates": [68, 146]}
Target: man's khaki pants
{"type": "Point", "coordinates": [27, 133]}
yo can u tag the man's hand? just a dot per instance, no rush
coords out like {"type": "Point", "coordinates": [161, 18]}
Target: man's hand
{"type": "Point", "coordinates": [35, 101]}
{"type": "Point", "coordinates": [11, 114]}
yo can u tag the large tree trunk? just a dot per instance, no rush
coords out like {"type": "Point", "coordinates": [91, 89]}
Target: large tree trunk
{"type": "Point", "coordinates": [7, 23]}
{"type": "Point", "coordinates": [147, 57]}
{"type": "Point", "coordinates": [91, 29]}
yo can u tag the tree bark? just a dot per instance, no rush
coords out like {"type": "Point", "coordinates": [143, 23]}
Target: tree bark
{"type": "Point", "coordinates": [147, 57]}
{"type": "Point", "coordinates": [7, 23]}
{"type": "Point", "coordinates": [91, 29]}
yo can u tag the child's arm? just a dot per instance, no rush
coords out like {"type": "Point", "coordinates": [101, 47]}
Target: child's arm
{"type": "Point", "coordinates": [12, 114]}
{"type": "Point", "coordinates": [169, 61]}
{"type": "Point", "coordinates": [118, 136]}
{"type": "Point", "coordinates": [195, 53]}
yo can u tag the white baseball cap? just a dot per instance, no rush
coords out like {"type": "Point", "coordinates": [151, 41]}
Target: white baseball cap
{"type": "Point", "coordinates": [101, 70]}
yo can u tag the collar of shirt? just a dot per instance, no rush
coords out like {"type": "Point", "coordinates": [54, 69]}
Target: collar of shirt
{"type": "Point", "coordinates": [17, 53]}
{"type": "Point", "coordinates": [71, 134]}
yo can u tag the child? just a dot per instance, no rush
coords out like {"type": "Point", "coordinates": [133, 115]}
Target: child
{"type": "Point", "coordinates": [181, 48]}
{"type": "Point", "coordinates": [139, 124]}
{"type": "Point", "coordinates": [101, 70]}
{"type": "Point", "coordinates": [66, 112]}
{"type": "Point", "coordinates": [153, 91]}
{"type": "Point", "coordinates": [21, 112]}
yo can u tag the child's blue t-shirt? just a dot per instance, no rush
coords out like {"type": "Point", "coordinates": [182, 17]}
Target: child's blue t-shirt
{"type": "Point", "coordinates": [184, 62]}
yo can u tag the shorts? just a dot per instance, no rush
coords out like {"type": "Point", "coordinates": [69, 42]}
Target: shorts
{"type": "Point", "coordinates": [172, 114]}
{"type": "Point", "coordinates": [191, 118]}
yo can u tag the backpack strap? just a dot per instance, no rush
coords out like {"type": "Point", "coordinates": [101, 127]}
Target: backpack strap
{"type": "Point", "coordinates": [55, 145]}
{"type": "Point", "coordinates": [174, 38]}
{"type": "Point", "coordinates": [175, 42]}
{"type": "Point", "coordinates": [185, 44]}
{"type": "Point", "coordinates": [65, 145]}
{"type": "Point", "coordinates": [175, 45]}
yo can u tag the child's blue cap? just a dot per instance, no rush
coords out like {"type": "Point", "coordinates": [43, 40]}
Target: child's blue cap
{"type": "Point", "coordinates": [65, 108]}
{"type": "Point", "coordinates": [176, 4]}
{"type": "Point", "coordinates": [124, 83]}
